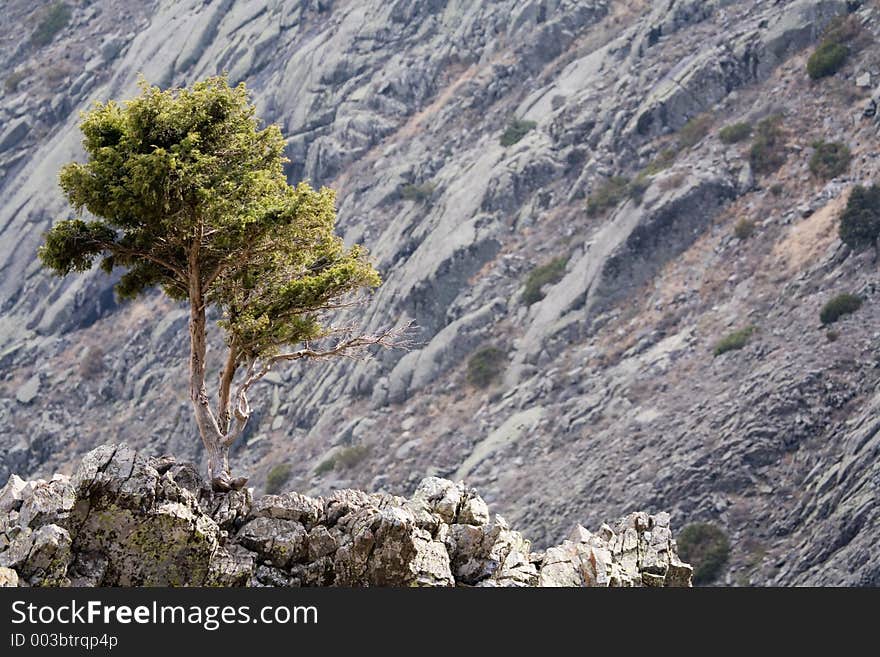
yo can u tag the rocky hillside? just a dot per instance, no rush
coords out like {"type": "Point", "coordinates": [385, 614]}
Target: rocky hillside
{"type": "Point", "coordinates": [127, 520]}
{"type": "Point", "coordinates": [577, 201]}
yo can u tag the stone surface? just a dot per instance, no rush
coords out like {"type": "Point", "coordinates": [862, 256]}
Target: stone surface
{"type": "Point", "coordinates": [131, 526]}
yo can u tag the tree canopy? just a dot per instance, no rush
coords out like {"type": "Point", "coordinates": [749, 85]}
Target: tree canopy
{"type": "Point", "coordinates": [860, 221]}
{"type": "Point", "coordinates": [178, 168]}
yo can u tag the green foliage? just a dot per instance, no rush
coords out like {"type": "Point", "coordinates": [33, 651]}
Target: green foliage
{"type": "Point", "coordinates": [735, 133]}
{"type": "Point", "coordinates": [768, 148]}
{"type": "Point", "coordinates": [777, 189]}
{"type": "Point", "coordinates": [830, 159]}
{"type": "Point", "coordinates": [417, 193]}
{"type": "Point", "coordinates": [842, 304]}
{"type": "Point", "coordinates": [827, 60]}
{"type": "Point", "coordinates": [706, 548]}
{"type": "Point", "coordinates": [608, 195]}
{"type": "Point", "coordinates": [832, 335]}
{"type": "Point", "coordinates": [694, 131]}
{"type": "Point", "coordinates": [842, 37]}
{"type": "Point", "coordinates": [277, 477]}
{"type": "Point", "coordinates": [546, 274]}
{"type": "Point", "coordinates": [54, 19]}
{"type": "Point", "coordinates": [516, 130]}
{"type": "Point", "coordinates": [734, 341]}
{"type": "Point", "coordinates": [10, 84]}
{"type": "Point", "coordinates": [744, 229]}
{"type": "Point", "coordinates": [860, 221]}
{"type": "Point", "coordinates": [345, 458]}
{"type": "Point", "coordinates": [190, 196]}
{"type": "Point", "coordinates": [485, 366]}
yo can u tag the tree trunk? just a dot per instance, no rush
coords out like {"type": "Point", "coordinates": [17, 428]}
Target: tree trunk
{"type": "Point", "coordinates": [212, 438]}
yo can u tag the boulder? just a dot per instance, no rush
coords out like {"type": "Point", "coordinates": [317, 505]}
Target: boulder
{"type": "Point", "coordinates": [118, 521]}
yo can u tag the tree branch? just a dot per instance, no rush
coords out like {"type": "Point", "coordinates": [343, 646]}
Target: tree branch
{"type": "Point", "coordinates": [347, 347]}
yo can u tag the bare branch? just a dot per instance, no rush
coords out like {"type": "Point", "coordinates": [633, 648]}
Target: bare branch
{"type": "Point", "coordinates": [350, 346]}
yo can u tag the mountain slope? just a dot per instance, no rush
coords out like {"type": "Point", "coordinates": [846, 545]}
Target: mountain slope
{"type": "Point", "coordinates": [610, 398]}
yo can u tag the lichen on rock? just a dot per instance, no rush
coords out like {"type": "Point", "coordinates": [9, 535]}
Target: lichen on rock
{"type": "Point", "coordinates": [124, 520]}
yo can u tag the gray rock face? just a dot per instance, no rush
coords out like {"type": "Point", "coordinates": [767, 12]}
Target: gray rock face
{"type": "Point", "coordinates": [119, 522]}
{"type": "Point", "coordinates": [14, 133]}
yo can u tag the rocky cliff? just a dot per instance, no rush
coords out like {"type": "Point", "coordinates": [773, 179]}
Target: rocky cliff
{"type": "Point", "coordinates": [126, 520]}
{"type": "Point", "coordinates": [478, 149]}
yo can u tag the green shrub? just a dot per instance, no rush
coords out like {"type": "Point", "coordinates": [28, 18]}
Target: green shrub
{"type": "Point", "coordinates": [637, 188]}
{"type": "Point", "coordinates": [735, 133]}
{"type": "Point", "coordinates": [345, 458]}
{"type": "Point", "coordinates": [664, 160]}
{"type": "Point", "coordinates": [842, 36]}
{"type": "Point", "coordinates": [694, 131]}
{"type": "Point", "coordinates": [832, 335]}
{"type": "Point", "coordinates": [609, 195]}
{"type": "Point", "coordinates": [734, 341]}
{"type": "Point", "coordinates": [768, 148]}
{"type": "Point", "coordinates": [485, 366]}
{"type": "Point", "coordinates": [744, 229]}
{"type": "Point", "coordinates": [417, 193]}
{"type": "Point", "coordinates": [830, 159]}
{"type": "Point", "coordinates": [516, 130]}
{"type": "Point", "coordinates": [777, 189]}
{"type": "Point", "coordinates": [860, 221]}
{"type": "Point", "coordinates": [53, 20]}
{"type": "Point", "coordinates": [842, 304]}
{"type": "Point", "coordinates": [277, 477]}
{"type": "Point", "coordinates": [546, 274]}
{"type": "Point", "coordinates": [706, 548]}
{"type": "Point", "coordinates": [827, 60]}
{"type": "Point", "coordinates": [10, 85]}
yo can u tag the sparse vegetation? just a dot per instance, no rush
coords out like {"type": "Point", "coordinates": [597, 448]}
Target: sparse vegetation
{"type": "Point", "coordinates": [832, 335]}
{"type": "Point", "coordinates": [92, 364]}
{"type": "Point", "coordinates": [830, 159]}
{"type": "Point", "coordinates": [10, 85]}
{"type": "Point", "coordinates": [694, 131]}
{"type": "Point", "coordinates": [860, 221]}
{"type": "Point", "coordinates": [546, 274]}
{"type": "Point", "coordinates": [706, 548]}
{"type": "Point", "coordinates": [54, 19]}
{"type": "Point", "coordinates": [744, 229]}
{"type": "Point", "coordinates": [734, 341]}
{"type": "Point", "coordinates": [768, 148]}
{"type": "Point", "coordinates": [344, 459]}
{"type": "Point", "coordinates": [277, 477]}
{"type": "Point", "coordinates": [608, 195]}
{"type": "Point", "coordinates": [673, 181]}
{"type": "Point", "coordinates": [777, 189]}
{"type": "Point", "coordinates": [735, 133]}
{"type": "Point", "coordinates": [485, 366]}
{"type": "Point", "coordinates": [827, 59]}
{"type": "Point", "coordinates": [637, 188]}
{"type": "Point", "coordinates": [842, 304]}
{"type": "Point", "coordinates": [843, 35]}
{"type": "Point", "coordinates": [516, 130]}
{"type": "Point", "coordinates": [664, 160]}
{"type": "Point", "coordinates": [417, 193]}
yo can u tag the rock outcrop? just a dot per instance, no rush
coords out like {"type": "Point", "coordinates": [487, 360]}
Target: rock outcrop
{"type": "Point", "coordinates": [126, 520]}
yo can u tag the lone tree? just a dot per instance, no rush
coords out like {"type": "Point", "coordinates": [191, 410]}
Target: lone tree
{"type": "Point", "coordinates": [860, 221]}
{"type": "Point", "coordinates": [188, 194]}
